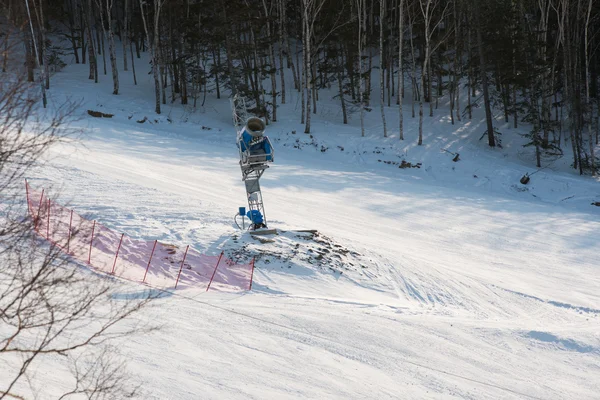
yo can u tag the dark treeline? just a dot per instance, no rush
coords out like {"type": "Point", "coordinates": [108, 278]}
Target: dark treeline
{"type": "Point", "coordinates": [535, 61]}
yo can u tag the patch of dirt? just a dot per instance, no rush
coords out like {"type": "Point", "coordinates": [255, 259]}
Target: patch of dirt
{"type": "Point", "coordinates": [298, 250]}
{"type": "Point", "coordinates": [401, 164]}
{"type": "Point", "coordinates": [99, 114]}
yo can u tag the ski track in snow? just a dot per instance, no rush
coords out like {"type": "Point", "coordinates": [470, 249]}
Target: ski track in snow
{"type": "Point", "coordinates": [471, 287]}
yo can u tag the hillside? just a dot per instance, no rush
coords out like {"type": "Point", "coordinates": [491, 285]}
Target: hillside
{"type": "Point", "coordinates": [442, 280]}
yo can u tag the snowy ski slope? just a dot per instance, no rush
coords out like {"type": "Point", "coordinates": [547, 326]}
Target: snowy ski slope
{"type": "Point", "coordinates": [450, 280]}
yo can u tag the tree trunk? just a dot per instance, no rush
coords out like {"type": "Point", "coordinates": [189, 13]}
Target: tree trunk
{"type": "Point", "coordinates": [153, 50]}
{"type": "Point", "coordinates": [544, 86]}
{"type": "Point", "coordinates": [98, 42]}
{"type": "Point", "coordinates": [414, 65]}
{"type": "Point", "coordinates": [72, 35]}
{"type": "Point", "coordinates": [514, 86]}
{"type": "Point", "coordinates": [315, 92]}
{"type": "Point", "coordinates": [470, 86]}
{"type": "Point", "coordinates": [308, 67]}
{"type": "Point", "coordinates": [93, 60]}
{"type": "Point", "coordinates": [389, 66]}
{"type": "Point", "coordinates": [361, 33]}
{"type": "Point", "coordinates": [589, 105]}
{"type": "Point", "coordinates": [381, 87]}
{"type": "Point", "coordinates": [111, 42]}
{"type": "Point", "coordinates": [34, 54]}
{"type": "Point", "coordinates": [290, 59]}
{"type": "Point", "coordinates": [281, 22]}
{"type": "Point", "coordinates": [5, 52]}
{"type": "Point", "coordinates": [41, 48]}
{"type": "Point", "coordinates": [29, 57]}
{"type": "Point", "coordinates": [430, 84]}
{"type": "Point", "coordinates": [132, 63]}
{"type": "Point", "coordinates": [217, 81]}
{"type": "Point", "coordinates": [484, 81]}
{"type": "Point", "coordinates": [103, 51]}
{"type": "Point", "coordinates": [173, 64]}
{"type": "Point", "coordinates": [439, 91]}
{"type": "Point", "coordinates": [233, 78]}
{"type": "Point", "coordinates": [368, 78]}
{"type": "Point", "coordinates": [455, 84]}
{"type": "Point", "coordinates": [125, 35]}
{"type": "Point", "coordinates": [82, 32]}
{"type": "Point", "coordinates": [272, 62]}
{"type": "Point", "coordinates": [421, 96]}
{"type": "Point", "coordinates": [304, 76]}
{"type": "Point", "coordinates": [162, 70]}
{"type": "Point", "coordinates": [137, 45]}
{"type": "Point", "coordinates": [400, 69]}
{"type": "Point", "coordinates": [425, 67]}
{"type": "Point", "coordinates": [113, 61]}
{"type": "Point", "coordinates": [567, 89]}
{"type": "Point", "coordinates": [341, 86]}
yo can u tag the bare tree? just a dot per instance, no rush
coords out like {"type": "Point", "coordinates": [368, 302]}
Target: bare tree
{"type": "Point", "coordinates": [38, 7]}
{"type": "Point", "coordinates": [99, 375]}
{"type": "Point", "coordinates": [589, 106]}
{"type": "Point", "coordinates": [545, 83]}
{"type": "Point", "coordinates": [400, 65]}
{"type": "Point", "coordinates": [381, 88]}
{"type": "Point", "coordinates": [362, 19]}
{"type": "Point", "coordinates": [413, 78]}
{"type": "Point", "coordinates": [39, 49]}
{"type": "Point", "coordinates": [484, 78]}
{"type": "Point", "coordinates": [286, 44]}
{"type": "Point", "coordinates": [454, 91]}
{"type": "Point", "coordinates": [88, 11]}
{"type": "Point", "coordinates": [48, 306]}
{"type": "Point", "coordinates": [310, 13]}
{"type": "Point", "coordinates": [105, 8]}
{"type": "Point", "coordinates": [340, 79]}
{"type": "Point", "coordinates": [280, 26]}
{"type": "Point", "coordinates": [154, 46]}
{"type": "Point", "coordinates": [428, 8]}
{"type": "Point", "coordinates": [272, 62]}
{"type": "Point", "coordinates": [7, 8]}
{"type": "Point", "coordinates": [125, 35]}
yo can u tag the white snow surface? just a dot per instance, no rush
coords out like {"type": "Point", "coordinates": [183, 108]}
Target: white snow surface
{"type": "Point", "coordinates": [453, 279]}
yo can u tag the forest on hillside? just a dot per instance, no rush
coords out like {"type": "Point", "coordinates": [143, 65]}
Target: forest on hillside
{"type": "Point", "coordinates": [535, 62]}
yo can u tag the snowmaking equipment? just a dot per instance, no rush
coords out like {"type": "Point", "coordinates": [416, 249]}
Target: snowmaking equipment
{"type": "Point", "coordinates": [256, 152]}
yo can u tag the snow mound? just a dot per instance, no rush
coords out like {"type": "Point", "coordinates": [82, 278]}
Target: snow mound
{"type": "Point", "coordinates": [300, 252]}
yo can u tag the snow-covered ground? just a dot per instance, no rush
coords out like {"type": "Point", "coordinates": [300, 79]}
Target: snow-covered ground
{"type": "Point", "coordinates": [451, 280]}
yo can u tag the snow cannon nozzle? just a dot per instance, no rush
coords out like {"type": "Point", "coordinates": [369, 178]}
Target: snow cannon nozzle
{"type": "Point", "coordinates": [255, 126]}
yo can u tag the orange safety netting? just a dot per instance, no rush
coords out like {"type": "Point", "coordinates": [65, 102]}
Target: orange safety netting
{"type": "Point", "coordinates": [152, 262]}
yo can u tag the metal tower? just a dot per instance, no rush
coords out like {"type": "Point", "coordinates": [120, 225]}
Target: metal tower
{"type": "Point", "coordinates": [256, 152]}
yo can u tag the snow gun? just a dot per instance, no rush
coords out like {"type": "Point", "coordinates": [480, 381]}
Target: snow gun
{"type": "Point", "coordinates": [256, 152]}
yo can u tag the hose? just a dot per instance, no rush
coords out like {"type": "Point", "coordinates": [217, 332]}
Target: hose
{"type": "Point", "coordinates": [236, 222]}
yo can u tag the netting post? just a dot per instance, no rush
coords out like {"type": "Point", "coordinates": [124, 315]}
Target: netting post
{"type": "Point", "coordinates": [252, 274]}
{"type": "Point", "coordinates": [69, 238]}
{"type": "Point", "coordinates": [149, 261]}
{"type": "Point", "coordinates": [48, 226]}
{"type": "Point", "coordinates": [180, 268]}
{"type": "Point", "coordinates": [117, 254]}
{"type": "Point", "coordinates": [91, 241]}
{"type": "Point", "coordinates": [39, 211]}
{"type": "Point", "coordinates": [214, 272]}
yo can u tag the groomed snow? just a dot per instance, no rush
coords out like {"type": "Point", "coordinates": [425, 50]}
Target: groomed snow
{"type": "Point", "coordinates": [463, 284]}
